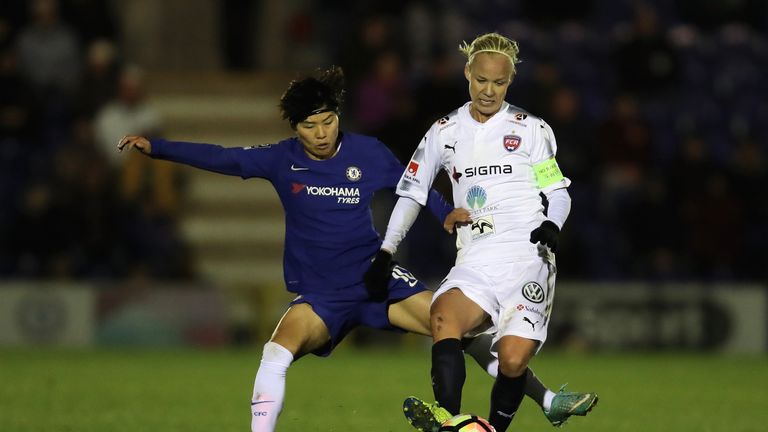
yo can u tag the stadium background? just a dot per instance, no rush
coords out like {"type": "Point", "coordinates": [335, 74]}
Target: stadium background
{"type": "Point", "coordinates": [661, 116]}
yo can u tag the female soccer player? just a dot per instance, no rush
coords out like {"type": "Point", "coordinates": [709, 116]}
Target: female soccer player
{"type": "Point", "coordinates": [501, 159]}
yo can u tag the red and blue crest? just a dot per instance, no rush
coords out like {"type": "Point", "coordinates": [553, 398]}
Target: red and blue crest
{"type": "Point", "coordinates": [511, 142]}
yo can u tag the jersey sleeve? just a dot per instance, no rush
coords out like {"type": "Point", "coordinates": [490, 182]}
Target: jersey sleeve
{"type": "Point", "coordinates": [416, 180]}
{"type": "Point", "coordinates": [246, 162]}
{"type": "Point", "coordinates": [546, 172]}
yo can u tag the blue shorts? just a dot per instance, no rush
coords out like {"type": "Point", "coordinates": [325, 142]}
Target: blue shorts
{"type": "Point", "coordinates": [341, 315]}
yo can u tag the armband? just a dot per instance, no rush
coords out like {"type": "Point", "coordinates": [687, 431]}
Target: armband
{"type": "Point", "coordinates": [547, 173]}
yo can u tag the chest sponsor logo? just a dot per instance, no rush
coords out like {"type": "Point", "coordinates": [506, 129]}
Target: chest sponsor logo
{"type": "Point", "coordinates": [354, 173]}
{"type": "Point", "coordinates": [476, 197]}
{"type": "Point", "coordinates": [482, 227]}
{"type": "Point", "coordinates": [484, 170]}
{"type": "Point", "coordinates": [511, 142]}
{"type": "Point", "coordinates": [343, 195]}
{"type": "Point", "coordinates": [533, 292]}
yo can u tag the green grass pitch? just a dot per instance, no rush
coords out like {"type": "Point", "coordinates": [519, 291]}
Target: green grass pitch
{"type": "Point", "coordinates": [361, 390]}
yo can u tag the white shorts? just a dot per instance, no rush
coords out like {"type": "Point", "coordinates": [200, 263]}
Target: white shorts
{"type": "Point", "coordinates": [517, 296]}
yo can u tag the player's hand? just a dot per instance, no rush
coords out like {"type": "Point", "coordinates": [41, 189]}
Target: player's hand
{"type": "Point", "coordinates": [376, 278]}
{"type": "Point", "coordinates": [547, 234]}
{"type": "Point", "coordinates": [458, 216]}
{"type": "Point", "coordinates": [135, 141]}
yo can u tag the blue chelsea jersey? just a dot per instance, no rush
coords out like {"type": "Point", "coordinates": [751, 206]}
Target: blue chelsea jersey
{"type": "Point", "coordinates": [329, 233]}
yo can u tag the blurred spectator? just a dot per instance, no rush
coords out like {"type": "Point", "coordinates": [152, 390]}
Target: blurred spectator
{"type": "Point", "coordinates": [18, 116]}
{"type": "Point", "coordinates": [237, 33]}
{"type": "Point", "coordinates": [624, 144]}
{"type": "Point", "coordinates": [707, 212]}
{"type": "Point", "coordinates": [383, 105]}
{"type": "Point", "coordinates": [16, 105]}
{"type": "Point", "coordinates": [360, 52]}
{"type": "Point", "coordinates": [576, 152]}
{"type": "Point", "coordinates": [692, 165]}
{"type": "Point", "coordinates": [91, 19]}
{"type": "Point", "coordinates": [49, 54]}
{"type": "Point", "coordinates": [442, 87]}
{"type": "Point", "coordinates": [710, 221]}
{"type": "Point", "coordinates": [129, 113]}
{"type": "Point", "coordinates": [98, 208]}
{"type": "Point", "coordinates": [537, 94]}
{"type": "Point", "coordinates": [100, 76]}
{"type": "Point", "coordinates": [646, 61]}
{"type": "Point", "coordinates": [34, 245]}
{"type": "Point", "coordinates": [654, 232]}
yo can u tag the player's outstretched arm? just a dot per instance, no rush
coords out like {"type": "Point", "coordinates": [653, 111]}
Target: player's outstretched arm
{"type": "Point", "coordinates": [140, 143]}
{"type": "Point", "coordinates": [234, 161]}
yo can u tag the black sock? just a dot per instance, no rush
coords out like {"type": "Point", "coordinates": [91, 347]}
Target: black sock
{"type": "Point", "coordinates": [506, 396]}
{"type": "Point", "coordinates": [534, 388]}
{"type": "Point", "coordinates": [448, 374]}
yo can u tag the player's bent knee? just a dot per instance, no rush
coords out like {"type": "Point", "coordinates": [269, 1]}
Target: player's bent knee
{"type": "Point", "coordinates": [444, 326]}
{"type": "Point", "coordinates": [513, 365]}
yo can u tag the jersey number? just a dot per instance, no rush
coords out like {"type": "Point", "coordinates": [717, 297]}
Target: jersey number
{"type": "Point", "coordinates": [401, 273]}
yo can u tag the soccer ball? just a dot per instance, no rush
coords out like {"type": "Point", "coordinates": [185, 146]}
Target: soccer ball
{"type": "Point", "coordinates": [467, 423]}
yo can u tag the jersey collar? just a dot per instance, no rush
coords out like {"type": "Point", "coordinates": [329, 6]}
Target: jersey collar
{"type": "Point", "coordinates": [464, 111]}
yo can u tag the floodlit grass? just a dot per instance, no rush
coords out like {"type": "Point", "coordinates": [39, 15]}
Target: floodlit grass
{"type": "Point", "coordinates": [361, 390]}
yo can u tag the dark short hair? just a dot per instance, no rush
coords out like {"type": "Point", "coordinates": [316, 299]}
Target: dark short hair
{"type": "Point", "coordinates": [324, 91]}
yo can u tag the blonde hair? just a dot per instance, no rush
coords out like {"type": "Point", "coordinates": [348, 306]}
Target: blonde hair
{"type": "Point", "coordinates": [491, 43]}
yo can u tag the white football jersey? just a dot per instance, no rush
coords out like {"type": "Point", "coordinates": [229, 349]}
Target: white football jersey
{"type": "Point", "coordinates": [497, 169]}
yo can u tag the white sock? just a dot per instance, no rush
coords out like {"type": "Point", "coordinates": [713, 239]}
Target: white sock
{"type": "Point", "coordinates": [548, 396]}
{"type": "Point", "coordinates": [269, 387]}
{"type": "Point", "coordinates": [493, 368]}
{"type": "Point", "coordinates": [479, 348]}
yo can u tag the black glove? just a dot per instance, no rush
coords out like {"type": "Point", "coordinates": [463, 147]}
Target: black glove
{"type": "Point", "coordinates": [547, 234]}
{"type": "Point", "coordinates": [377, 276]}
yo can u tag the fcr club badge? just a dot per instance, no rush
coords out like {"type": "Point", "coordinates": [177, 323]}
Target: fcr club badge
{"type": "Point", "coordinates": [354, 173]}
{"type": "Point", "coordinates": [511, 142]}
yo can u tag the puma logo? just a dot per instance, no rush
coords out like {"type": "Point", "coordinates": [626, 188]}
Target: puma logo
{"type": "Point", "coordinates": [533, 324]}
{"type": "Point", "coordinates": [453, 147]}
